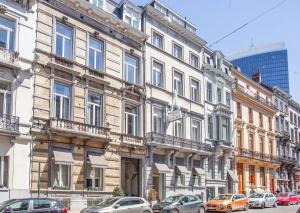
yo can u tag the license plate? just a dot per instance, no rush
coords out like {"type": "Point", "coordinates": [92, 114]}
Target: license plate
{"type": "Point", "coordinates": [210, 207]}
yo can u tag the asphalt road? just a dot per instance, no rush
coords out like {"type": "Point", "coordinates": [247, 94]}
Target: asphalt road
{"type": "Point", "coordinates": [278, 209]}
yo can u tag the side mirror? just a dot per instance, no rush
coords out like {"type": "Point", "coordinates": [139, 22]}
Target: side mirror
{"type": "Point", "coordinates": [233, 199]}
{"type": "Point", "coordinates": [7, 210]}
{"type": "Point", "coordinates": [117, 206]}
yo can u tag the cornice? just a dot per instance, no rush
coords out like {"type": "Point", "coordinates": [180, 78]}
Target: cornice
{"type": "Point", "coordinates": [218, 72]}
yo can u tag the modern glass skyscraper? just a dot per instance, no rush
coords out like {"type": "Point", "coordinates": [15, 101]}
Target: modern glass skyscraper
{"type": "Point", "coordinates": [271, 60]}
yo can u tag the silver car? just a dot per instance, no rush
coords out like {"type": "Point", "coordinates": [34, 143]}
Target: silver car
{"type": "Point", "coordinates": [262, 200]}
{"type": "Point", "coordinates": [120, 205]}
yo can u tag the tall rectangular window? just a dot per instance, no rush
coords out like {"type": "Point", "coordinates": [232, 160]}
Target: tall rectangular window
{"type": "Point", "coordinates": [7, 33]}
{"type": "Point", "coordinates": [239, 139]}
{"type": "Point", "coordinates": [94, 177]}
{"type": "Point", "coordinates": [250, 115]}
{"type": "Point", "coordinates": [210, 127]}
{"type": "Point", "coordinates": [131, 69]}
{"type": "Point", "coordinates": [271, 148]}
{"type": "Point", "coordinates": [251, 142]}
{"type": "Point", "coordinates": [277, 124]}
{"type": "Point", "coordinates": [157, 120]}
{"type": "Point", "coordinates": [4, 172]}
{"type": "Point", "coordinates": [225, 129]}
{"type": "Point", "coordinates": [62, 97]}
{"type": "Point", "coordinates": [209, 95]}
{"type": "Point", "coordinates": [252, 173]}
{"type": "Point", "coordinates": [195, 93]}
{"type": "Point", "coordinates": [239, 109]}
{"type": "Point", "coordinates": [178, 83]}
{"type": "Point", "coordinates": [178, 128]}
{"type": "Point", "coordinates": [194, 60]}
{"type": "Point", "coordinates": [95, 110]}
{"type": "Point", "coordinates": [96, 54]}
{"type": "Point", "coordinates": [131, 120]}
{"type": "Point", "coordinates": [261, 145]}
{"type": "Point", "coordinates": [196, 130]}
{"type": "Point", "coordinates": [157, 74]}
{"type": "Point", "coordinates": [262, 176]}
{"type": "Point", "coordinates": [5, 99]}
{"type": "Point", "coordinates": [270, 124]}
{"type": "Point", "coordinates": [98, 3]}
{"type": "Point", "coordinates": [61, 176]}
{"type": "Point", "coordinates": [219, 95]}
{"type": "Point", "coordinates": [261, 120]}
{"type": "Point", "coordinates": [177, 51]}
{"type": "Point", "coordinates": [228, 99]}
{"type": "Point", "coordinates": [64, 41]}
{"type": "Point", "coordinates": [157, 40]}
{"type": "Point", "coordinates": [292, 134]}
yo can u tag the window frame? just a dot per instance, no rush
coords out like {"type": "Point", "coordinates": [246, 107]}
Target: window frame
{"type": "Point", "coordinates": [154, 32]}
{"type": "Point", "coordinates": [209, 95]}
{"type": "Point", "coordinates": [197, 96]}
{"type": "Point", "coordinates": [199, 127]}
{"type": "Point", "coordinates": [97, 5]}
{"type": "Point", "coordinates": [63, 40]}
{"type": "Point", "coordinates": [94, 105]}
{"type": "Point", "coordinates": [7, 94]}
{"type": "Point", "coordinates": [8, 34]}
{"type": "Point", "coordinates": [4, 172]}
{"type": "Point", "coordinates": [136, 68]}
{"type": "Point", "coordinates": [181, 91]}
{"type": "Point", "coordinates": [176, 128]}
{"type": "Point", "coordinates": [95, 50]}
{"type": "Point", "coordinates": [162, 124]}
{"type": "Point", "coordinates": [174, 44]}
{"type": "Point", "coordinates": [135, 119]}
{"type": "Point", "coordinates": [162, 73]}
{"type": "Point", "coordinates": [94, 178]}
{"type": "Point", "coordinates": [195, 56]}
{"type": "Point", "coordinates": [62, 102]}
{"type": "Point", "coordinates": [59, 176]}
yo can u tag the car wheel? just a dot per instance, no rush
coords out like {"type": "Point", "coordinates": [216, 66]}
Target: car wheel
{"type": "Point", "coordinates": [246, 207]}
{"type": "Point", "coordinates": [229, 209]}
{"type": "Point", "coordinates": [275, 204]}
{"type": "Point", "coordinates": [262, 205]}
{"type": "Point", "coordinates": [201, 210]}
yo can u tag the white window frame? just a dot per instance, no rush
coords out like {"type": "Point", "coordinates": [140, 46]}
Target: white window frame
{"type": "Point", "coordinates": [197, 180]}
{"type": "Point", "coordinates": [228, 98]}
{"type": "Point", "coordinates": [219, 89]}
{"type": "Point", "coordinates": [195, 90]}
{"type": "Point", "coordinates": [59, 175]}
{"type": "Point", "coordinates": [94, 106]}
{"type": "Point", "coordinates": [178, 82]}
{"type": "Point", "coordinates": [2, 172]}
{"type": "Point", "coordinates": [198, 128]}
{"type": "Point", "coordinates": [135, 120]}
{"type": "Point", "coordinates": [99, 3]}
{"type": "Point", "coordinates": [134, 66]}
{"type": "Point", "coordinates": [178, 128]}
{"type": "Point", "coordinates": [154, 41]}
{"type": "Point", "coordinates": [156, 70]}
{"type": "Point", "coordinates": [194, 56]}
{"type": "Point", "coordinates": [8, 32]}
{"type": "Point", "coordinates": [64, 38]}
{"type": "Point", "coordinates": [180, 180]}
{"type": "Point", "coordinates": [61, 97]}
{"type": "Point", "coordinates": [210, 132]}
{"type": "Point", "coordinates": [174, 52]}
{"type": "Point", "coordinates": [94, 178]}
{"type": "Point", "coordinates": [154, 119]}
{"type": "Point", "coordinates": [211, 92]}
{"type": "Point", "coordinates": [132, 16]}
{"type": "Point", "coordinates": [95, 50]}
{"type": "Point", "coordinates": [5, 98]}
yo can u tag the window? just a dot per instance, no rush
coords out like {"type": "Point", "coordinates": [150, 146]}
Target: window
{"type": "Point", "coordinates": [207, 59]}
{"type": "Point", "coordinates": [131, 69]}
{"type": "Point", "coordinates": [225, 129]}
{"type": "Point", "coordinates": [262, 176]}
{"type": "Point", "coordinates": [4, 173]}
{"type": "Point", "coordinates": [5, 99]}
{"type": "Point", "coordinates": [298, 121]}
{"type": "Point", "coordinates": [96, 54]}
{"type": "Point", "coordinates": [250, 112]}
{"type": "Point", "coordinates": [196, 130]}
{"type": "Point", "coordinates": [270, 124]}
{"type": "Point", "coordinates": [157, 74]}
{"type": "Point", "coordinates": [261, 145]}
{"type": "Point", "coordinates": [41, 204]}
{"type": "Point", "coordinates": [160, 8]}
{"type": "Point", "coordinates": [276, 102]}
{"type": "Point", "coordinates": [271, 148]}
{"type": "Point", "coordinates": [197, 180]}
{"type": "Point", "coordinates": [277, 123]}
{"type": "Point", "coordinates": [180, 179]}
{"type": "Point", "coordinates": [251, 142]}
{"type": "Point", "coordinates": [131, 120]}
{"type": "Point", "coordinates": [61, 176]}
{"type": "Point", "coordinates": [7, 34]}
{"type": "Point", "coordinates": [157, 40]}
{"type": "Point", "coordinates": [95, 110]}
{"type": "Point", "coordinates": [177, 51]}
{"type": "Point", "coordinates": [239, 139]}
{"type": "Point", "coordinates": [261, 120]}
{"type": "Point", "coordinates": [19, 206]}
{"type": "Point", "coordinates": [64, 41]}
{"type": "Point", "coordinates": [61, 101]}
{"type": "Point", "coordinates": [292, 134]}
{"type": "Point", "coordinates": [209, 92]}
{"type": "Point", "coordinates": [239, 109]}
{"type": "Point", "coordinates": [295, 119]}
{"type": "Point", "coordinates": [291, 117]}
{"type": "Point", "coordinates": [157, 120]}
{"type": "Point", "coordinates": [178, 83]}
{"type": "Point", "coordinates": [194, 60]}
{"type": "Point", "coordinates": [195, 93]}
{"type": "Point", "coordinates": [219, 95]}
{"type": "Point", "coordinates": [94, 177]}
{"type": "Point", "coordinates": [98, 3]}
{"type": "Point", "coordinates": [210, 127]}
{"type": "Point", "coordinates": [132, 18]}
{"type": "Point", "coordinates": [228, 99]}
{"type": "Point", "coordinates": [178, 129]}
{"type": "Point", "coordinates": [252, 175]}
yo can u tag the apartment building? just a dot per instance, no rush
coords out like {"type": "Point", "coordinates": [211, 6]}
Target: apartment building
{"type": "Point", "coordinates": [285, 147]}
{"type": "Point", "coordinates": [176, 149]}
{"type": "Point", "coordinates": [17, 21]}
{"type": "Point", "coordinates": [88, 101]}
{"type": "Point", "coordinates": [256, 153]}
{"type": "Point", "coordinates": [220, 177]}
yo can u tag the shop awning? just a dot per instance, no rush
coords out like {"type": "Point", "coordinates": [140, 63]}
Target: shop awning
{"type": "Point", "coordinates": [64, 157]}
{"type": "Point", "coordinates": [233, 176]}
{"type": "Point", "coordinates": [199, 171]}
{"type": "Point", "coordinates": [162, 168]}
{"type": "Point", "coordinates": [183, 170]}
{"type": "Point", "coordinates": [97, 161]}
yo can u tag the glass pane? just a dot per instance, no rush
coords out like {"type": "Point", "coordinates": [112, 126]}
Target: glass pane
{"type": "Point", "coordinates": [57, 103]}
{"type": "Point", "coordinates": [99, 61]}
{"type": "Point", "coordinates": [130, 74]}
{"type": "Point", "coordinates": [59, 44]}
{"type": "Point", "coordinates": [61, 89]}
{"type": "Point", "coordinates": [66, 108]}
{"type": "Point", "coordinates": [64, 175]}
{"type": "Point", "coordinates": [1, 103]}
{"type": "Point", "coordinates": [96, 99]}
{"type": "Point", "coordinates": [98, 116]}
{"type": "Point", "coordinates": [8, 104]}
{"type": "Point", "coordinates": [90, 114]}
{"type": "Point", "coordinates": [64, 30]}
{"type": "Point", "coordinates": [68, 49]}
{"type": "Point", "coordinates": [130, 124]}
{"type": "Point", "coordinates": [11, 40]}
{"type": "Point", "coordinates": [92, 58]}
{"type": "Point", "coordinates": [3, 38]}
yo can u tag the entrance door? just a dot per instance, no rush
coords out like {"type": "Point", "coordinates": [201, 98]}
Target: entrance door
{"type": "Point", "coordinates": [272, 185]}
{"type": "Point", "coordinates": [240, 177]}
{"type": "Point", "coordinates": [159, 181]}
{"type": "Point", "coordinates": [130, 176]}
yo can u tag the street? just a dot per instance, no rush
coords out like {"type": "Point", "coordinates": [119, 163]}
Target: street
{"type": "Point", "coordinates": [279, 209]}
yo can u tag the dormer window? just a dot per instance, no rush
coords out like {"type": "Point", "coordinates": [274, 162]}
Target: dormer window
{"type": "Point", "coordinates": [131, 17]}
{"type": "Point", "coordinates": [160, 9]}
{"type": "Point", "coordinates": [98, 3]}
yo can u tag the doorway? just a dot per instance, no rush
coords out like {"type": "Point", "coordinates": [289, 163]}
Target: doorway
{"type": "Point", "coordinates": [159, 181]}
{"type": "Point", "coordinates": [240, 177]}
{"type": "Point", "coordinates": [130, 176]}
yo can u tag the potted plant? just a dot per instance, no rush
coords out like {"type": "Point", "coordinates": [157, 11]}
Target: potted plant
{"type": "Point", "coordinates": [152, 196]}
{"type": "Point", "coordinates": [117, 192]}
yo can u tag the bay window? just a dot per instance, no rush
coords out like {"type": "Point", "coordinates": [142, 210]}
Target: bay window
{"type": "Point", "coordinates": [95, 110]}
{"type": "Point", "coordinates": [64, 41]}
{"type": "Point", "coordinates": [7, 33]}
{"type": "Point", "coordinates": [195, 93]}
{"type": "Point", "coordinates": [224, 129]}
{"type": "Point", "coordinates": [157, 120]}
{"type": "Point", "coordinates": [131, 69]}
{"type": "Point", "coordinates": [157, 74]}
{"type": "Point", "coordinates": [131, 120]}
{"type": "Point", "coordinates": [178, 83]}
{"type": "Point", "coordinates": [96, 54]}
{"type": "Point", "coordinates": [61, 101]}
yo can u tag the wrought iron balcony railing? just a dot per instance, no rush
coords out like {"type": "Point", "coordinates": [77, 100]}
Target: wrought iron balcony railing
{"type": "Point", "coordinates": [9, 123]}
{"type": "Point", "coordinates": [169, 140]}
{"type": "Point", "coordinates": [9, 56]}
{"type": "Point", "coordinates": [288, 158]}
{"type": "Point", "coordinates": [255, 155]}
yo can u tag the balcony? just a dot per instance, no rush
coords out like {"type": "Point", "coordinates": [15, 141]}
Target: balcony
{"type": "Point", "coordinates": [241, 152]}
{"type": "Point", "coordinates": [241, 89]}
{"type": "Point", "coordinates": [9, 58]}
{"type": "Point", "coordinates": [288, 160]}
{"type": "Point", "coordinates": [169, 141]}
{"type": "Point", "coordinates": [131, 139]}
{"type": "Point", "coordinates": [78, 129]}
{"type": "Point", "coordinates": [9, 125]}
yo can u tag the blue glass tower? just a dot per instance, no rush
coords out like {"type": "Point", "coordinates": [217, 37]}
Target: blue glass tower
{"type": "Point", "coordinates": [270, 60]}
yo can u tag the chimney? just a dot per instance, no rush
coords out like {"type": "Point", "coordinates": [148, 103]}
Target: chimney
{"type": "Point", "coordinates": [256, 77]}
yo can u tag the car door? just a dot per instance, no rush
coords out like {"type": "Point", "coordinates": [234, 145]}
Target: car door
{"type": "Point", "coordinates": [273, 199]}
{"type": "Point", "coordinates": [194, 203]}
{"type": "Point", "coordinates": [123, 206]}
{"type": "Point", "coordinates": [184, 206]}
{"type": "Point", "coordinates": [136, 205]}
{"type": "Point", "coordinates": [19, 206]}
{"type": "Point", "coordinates": [41, 206]}
{"type": "Point", "coordinates": [235, 202]}
{"type": "Point", "coordinates": [293, 198]}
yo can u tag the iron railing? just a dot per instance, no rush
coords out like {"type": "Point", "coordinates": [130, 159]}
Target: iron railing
{"type": "Point", "coordinates": [255, 155]}
{"type": "Point", "coordinates": [9, 123]}
{"type": "Point", "coordinates": [169, 140]}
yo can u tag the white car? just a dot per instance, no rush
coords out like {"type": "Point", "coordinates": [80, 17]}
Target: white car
{"type": "Point", "coordinates": [262, 200]}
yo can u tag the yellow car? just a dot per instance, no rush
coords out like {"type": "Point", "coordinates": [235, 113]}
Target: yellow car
{"type": "Point", "coordinates": [228, 203]}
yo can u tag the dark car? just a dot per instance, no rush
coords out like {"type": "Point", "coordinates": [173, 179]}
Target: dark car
{"type": "Point", "coordinates": [180, 204]}
{"type": "Point", "coordinates": [32, 205]}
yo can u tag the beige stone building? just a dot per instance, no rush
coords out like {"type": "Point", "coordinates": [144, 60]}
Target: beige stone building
{"type": "Point", "coordinates": [256, 153]}
{"type": "Point", "coordinates": [88, 101]}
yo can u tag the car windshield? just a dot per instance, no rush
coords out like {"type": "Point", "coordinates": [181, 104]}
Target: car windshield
{"type": "Point", "coordinates": [171, 199]}
{"type": "Point", "coordinates": [282, 195]}
{"type": "Point", "coordinates": [223, 197]}
{"type": "Point", "coordinates": [256, 196]}
{"type": "Point", "coordinates": [108, 202]}
{"type": "Point", "coordinates": [4, 204]}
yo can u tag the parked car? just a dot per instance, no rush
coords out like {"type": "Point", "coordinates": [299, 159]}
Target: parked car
{"type": "Point", "coordinates": [180, 204]}
{"type": "Point", "coordinates": [120, 204]}
{"type": "Point", "coordinates": [228, 203]}
{"type": "Point", "coordinates": [32, 205]}
{"type": "Point", "coordinates": [298, 194]}
{"type": "Point", "coordinates": [287, 198]}
{"type": "Point", "coordinates": [262, 200]}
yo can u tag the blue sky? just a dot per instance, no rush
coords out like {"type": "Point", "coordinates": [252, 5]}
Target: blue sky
{"type": "Point", "coordinates": [215, 18]}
